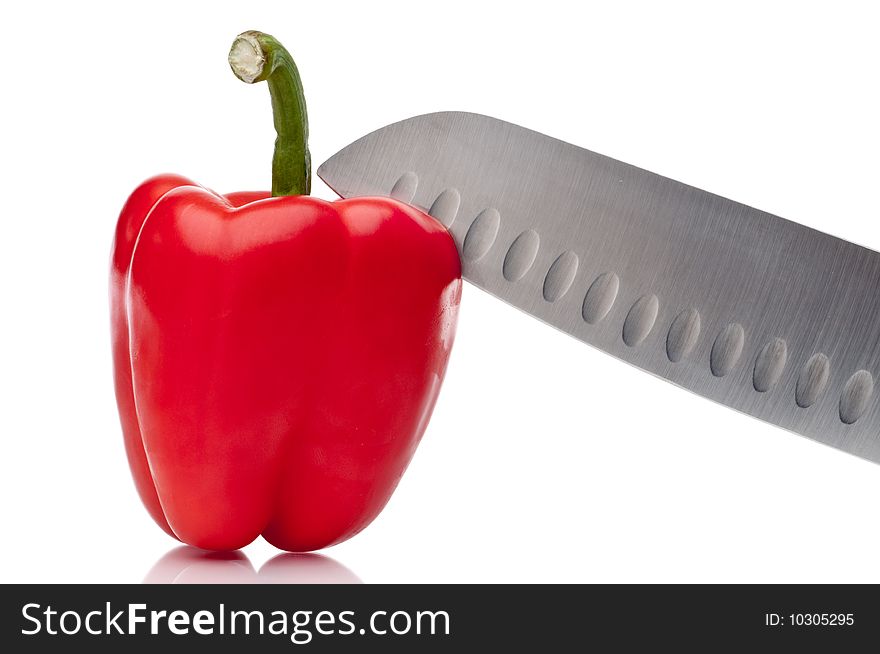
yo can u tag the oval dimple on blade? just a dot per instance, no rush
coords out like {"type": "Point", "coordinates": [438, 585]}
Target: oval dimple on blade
{"type": "Point", "coordinates": [521, 255]}
{"type": "Point", "coordinates": [640, 320]}
{"type": "Point", "coordinates": [812, 380]}
{"type": "Point", "coordinates": [405, 187]}
{"type": "Point", "coordinates": [445, 206]}
{"type": "Point", "coordinates": [560, 276]}
{"type": "Point", "coordinates": [481, 235]}
{"type": "Point", "coordinates": [727, 349]}
{"type": "Point", "coordinates": [856, 396]}
{"type": "Point", "coordinates": [683, 335]}
{"type": "Point", "coordinates": [600, 297]}
{"type": "Point", "coordinates": [769, 365]}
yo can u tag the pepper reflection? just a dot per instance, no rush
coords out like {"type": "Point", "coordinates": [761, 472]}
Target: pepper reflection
{"type": "Point", "coordinates": [190, 565]}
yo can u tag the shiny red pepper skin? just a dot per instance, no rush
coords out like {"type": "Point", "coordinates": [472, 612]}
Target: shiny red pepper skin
{"type": "Point", "coordinates": [276, 358]}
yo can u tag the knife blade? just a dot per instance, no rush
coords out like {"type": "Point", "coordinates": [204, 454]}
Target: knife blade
{"type": "Point", "coordinates": [766, 316]}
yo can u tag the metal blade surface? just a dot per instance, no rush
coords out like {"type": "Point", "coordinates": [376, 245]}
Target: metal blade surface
{"type": "Point", "coordinates": [756, 312]}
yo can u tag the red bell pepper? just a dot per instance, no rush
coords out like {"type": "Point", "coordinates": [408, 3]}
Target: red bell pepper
{"type": "Point", "coordinates": [277, 357]}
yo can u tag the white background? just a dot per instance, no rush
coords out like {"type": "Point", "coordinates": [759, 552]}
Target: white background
{"type": "Point", "coordinates": [546, 460]}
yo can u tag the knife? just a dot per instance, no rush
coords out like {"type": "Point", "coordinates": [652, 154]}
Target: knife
{"type": "Point", "coordinates": [759, 313]}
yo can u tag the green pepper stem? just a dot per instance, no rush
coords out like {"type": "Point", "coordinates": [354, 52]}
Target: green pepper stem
{"type": "Point", "coordinates": [255, 57]}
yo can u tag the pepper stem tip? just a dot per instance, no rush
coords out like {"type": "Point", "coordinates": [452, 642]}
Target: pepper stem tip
{"type": "Point", "coordinates": [247, 57]}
